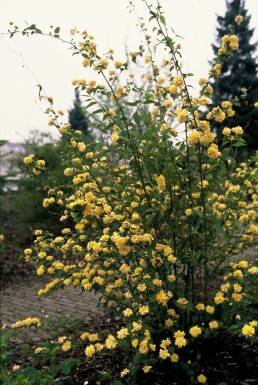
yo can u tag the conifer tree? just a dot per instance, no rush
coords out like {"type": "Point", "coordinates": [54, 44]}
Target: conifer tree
{"type": "Point", "coordinates": [77, 118]}
{"type": "Point", "coordinates": [239, 77]}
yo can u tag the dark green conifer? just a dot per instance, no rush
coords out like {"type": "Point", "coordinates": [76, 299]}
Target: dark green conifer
{"type": "Point", "coordinates": [77, 117]}
{"type": "Point", "coordinates": [239, 76]}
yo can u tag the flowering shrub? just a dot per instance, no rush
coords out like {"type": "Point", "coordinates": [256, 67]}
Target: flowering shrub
{"type": "Point", "coordinates": [155, 210]}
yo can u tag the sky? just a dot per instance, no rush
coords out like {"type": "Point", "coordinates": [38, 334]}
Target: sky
{"type": "Point", "coordinates": [26, 62]}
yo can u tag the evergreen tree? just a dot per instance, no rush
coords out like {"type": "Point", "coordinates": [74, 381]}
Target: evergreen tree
{"type": "Point", "coordinates": [238, 78]}
{"type": "Point", "coordinates": [77, 117]}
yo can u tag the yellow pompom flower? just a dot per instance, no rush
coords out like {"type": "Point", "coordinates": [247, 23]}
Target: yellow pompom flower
{"type": "Point", "coordinates": [122, 333]}
{"type": "Point", "coordinates": [111, 342]}
{"type": "Point", "coordinates": [213, 325]}
{"type": "Point", "coordinates": [195, 331]}
{"type": "Point", "coordinates": [147, 368]}
{"type": "Point", "coordinates": [66, 346]}
{"type": "Point", "coordinates": [161, 182]}
{"type": "Point", "coordinates": [144, 309]}
{"type": "Point", "coordinates": [239, 19]}
{"type": "Point", "coordinates": [181, 115]}
{"type": "Point", "coordinates": [201, 379]}
{"type": "Point", "coordinates": [90, 350]}
{"type": "Point", "coordinates": [180, 342]}
{"type": "Point", "coordinates": [28, 159]}
{"type": "Point", "coordinates": [124, 372]}
{"type": "Point", "coordinates": [163, 354]}
{"type": "Point", "coordinates": [194, 138]}
{"type": "Point", "coordinates": [213, 151]}
{"type": "Point", "coordinates": [174, 358]}
{"type": "Point", "coordinates": [248, 331]}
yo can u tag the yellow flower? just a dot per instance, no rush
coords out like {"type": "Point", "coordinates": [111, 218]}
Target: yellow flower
{"type": "Point", "coordinates": [103, 63]}
{"type": "Point", "coordinates": [147, 368]}
{"type": "Point", "coordinates": [237, 297]}
{"type": "Point", "coordinates": [219, 298]}
{"type": "Point", "coordinates": [39, 350]}
{"type": "Point", "coordinates": [118, 64]}
{"type": "Point", "coordinates": [201, 379]}
{"type": "Point", "coordinates": [144, 309]}
{"type": "Point", "coordinates": [161, 182]}
{"type": "Point", "coordinates": [181, 115]}
{"type": "Point", "coordinates": [188, 212]}
{"type": "Point", "coordinates": [110, 342]}
{"type": "Point", "coordinates": [41, 270]}
{"type": "Point", "coordinates": [237, 130]}
{"type": "Point", "coordinates": [179, 333]}
{"type": "Point", "coordinates": [233, 42]}
{"type": "Point", "coordinates": [239, 19]}
{"type": "Point", "coordinates": [128, 312]}
{"type": "Point", "coordinates": [89, 155]}
{"type": "Point", "coordinates": [143, 349]}
{"type": "Point", "coordinates": [111, 113]}
{"type": "Point", "coordinates": [180, 342]}
{"type": "Point", "coordinates": [122, 333]}
{"type": "Point", "coordinates": [202, 81]}
{"type": "Point", "coordinates": [200, 306]}
{"type": "Point", "coordinates": [213, 325]}
{"type": "Point", "coordinates": [81, 146]}
{"type": "Point", "coordinates": [253, 270]}
{"type": "Point", "coordinates": [178, 80]}
{"type": "Point", "coordinates": [162, 298]}
{"type": "Point", "coordinates": [28, 159]}
{"type": "Point", "coordinates": [115, 137]}
{"type": "Point", "coordinates": [248, 331]}
{"type": "Point", "coordinates": [41, 163]}
{"type": "Point", "coordinates": [142, 287]}
{"type": "Point", "coordinates": [93, 337]}
{"type": "Point", "coordinates": [172, 89]}
{"type": "Point", "coordinates": [124, 372]}
{"type": "Point", "coordinates": [213, 151]}
{"type": "Point", "coordinates": [86, 62]}
{"type": "Point", "coordinates": [238, 274]}
{"type": "Point", "coordinates": [27, 322]}
{"type": "Point", "coordinates": [90, 350]}
{"type": "Point", "coordinates": [66, 346]}
{"type": "Point", "coordinates": [194, 138]}
{"type": "Point", "coordinates": [182, 301]}
{"type": "Point", "coordinates": [174, 358]}
{"type": "Point", "coordinates": [195, 331]}
{"type": "Point", "coordinates": [163, 354]}
{"type": "Point", "coordinates": [165, 343]}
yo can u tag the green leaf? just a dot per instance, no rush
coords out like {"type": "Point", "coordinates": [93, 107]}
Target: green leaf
{"type": "Point", "coordinates": [162, 20]}
{"type": "Point", "coordinates": [133, 104]}
{"type": "Point", "coordinates": [7, 336]}
{"type": "Point", "coordinates": [57, 30]}
{"type": "Point", "coordinates": [239, 143]}
{"type": "Point", "coordinates": [137, 118]}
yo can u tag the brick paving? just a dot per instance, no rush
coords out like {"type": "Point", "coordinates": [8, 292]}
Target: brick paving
{"type": "Point", "coordinates": [20, 300]}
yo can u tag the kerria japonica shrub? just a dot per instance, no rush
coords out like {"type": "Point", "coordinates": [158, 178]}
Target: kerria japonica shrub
{"type": "Point", "coordinates": [155, 211]}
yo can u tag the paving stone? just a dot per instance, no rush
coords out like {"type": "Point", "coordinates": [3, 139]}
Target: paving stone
{"type": "Point", "coordinates": [20, 300]}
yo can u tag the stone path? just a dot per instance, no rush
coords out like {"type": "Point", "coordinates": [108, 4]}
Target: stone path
{"type": "Point", "coordinates": [20, 300]}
